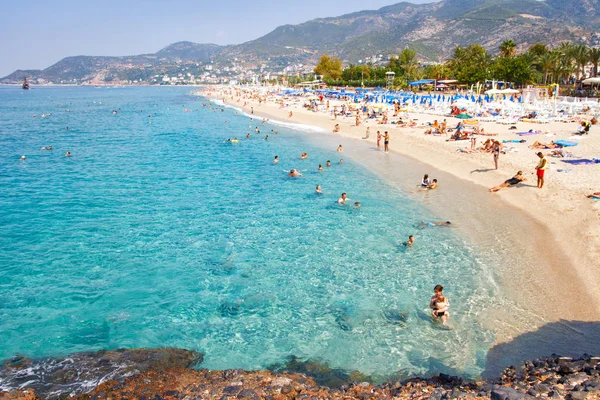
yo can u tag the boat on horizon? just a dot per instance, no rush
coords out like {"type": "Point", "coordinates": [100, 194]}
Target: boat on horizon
{"type": "Point", "coordinates": [25, 84]}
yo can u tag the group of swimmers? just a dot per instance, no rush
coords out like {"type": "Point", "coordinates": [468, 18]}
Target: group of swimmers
{"type": "Point", "coordinates": [439, 304]}
{"type": "Point", "coordinates": [46, 148]}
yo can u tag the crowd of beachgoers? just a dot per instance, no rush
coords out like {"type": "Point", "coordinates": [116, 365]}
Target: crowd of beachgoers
{"type": "Point", "coordinates": [543, 156]}
{"type": "Point", "coordinates": [382, 112]}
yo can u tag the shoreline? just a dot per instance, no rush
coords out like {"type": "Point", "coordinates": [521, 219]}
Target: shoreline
{"type": "Point", "coordinates": [173, 373]}
{"type": "Point", "coordinates": [538, 226]}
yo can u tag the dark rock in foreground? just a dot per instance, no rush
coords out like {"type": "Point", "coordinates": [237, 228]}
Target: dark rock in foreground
{"type": "Point", "coordinates": [56, 377]}
{"type": "Point", "coordinates": [552, 377]}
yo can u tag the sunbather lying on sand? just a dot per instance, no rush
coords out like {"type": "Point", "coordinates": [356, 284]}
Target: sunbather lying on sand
{"type": "Point", "coordinates": [540, 145]}
{"type": "Point", "coordinates": [459, 136]}
{"type": "Point", "coordinates": [464, 150]}
{"type": "Point", "coordinates": [595, 196]}
{"type": "Point", "coordinates": [518, 178]}
{"type": "Point", "coordinates": [560, 153]}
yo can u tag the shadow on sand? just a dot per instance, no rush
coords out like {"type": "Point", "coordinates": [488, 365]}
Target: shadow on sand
{"type": "Point", "coordinates": [563, 338]}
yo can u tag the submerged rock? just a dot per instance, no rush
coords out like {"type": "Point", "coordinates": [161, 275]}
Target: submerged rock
{"type": "Point", "coordinates": [56, 377]}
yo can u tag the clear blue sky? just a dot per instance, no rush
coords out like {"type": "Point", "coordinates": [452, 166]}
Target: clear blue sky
{"type": "Point", "coordinates": [35, 34]}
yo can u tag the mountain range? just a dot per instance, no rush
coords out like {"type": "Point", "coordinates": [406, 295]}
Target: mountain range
{"type": "Point", "coordinates": [433, 30]}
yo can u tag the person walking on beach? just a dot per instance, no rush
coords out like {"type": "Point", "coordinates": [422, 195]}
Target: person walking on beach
{"type": "Point", "coordinates": [496, 147]}
{"type": "Point", "coordinates": [386, 142]}
{"type": "Point", "coordinates": [378, 140]}
{"type": "Point", "coordinates": [440, 305]}
{"type": "Point", "coordinates": [540, 169]}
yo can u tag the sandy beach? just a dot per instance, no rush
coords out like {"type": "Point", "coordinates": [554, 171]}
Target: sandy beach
{"type": "Point", "coordinates": [550, 236]}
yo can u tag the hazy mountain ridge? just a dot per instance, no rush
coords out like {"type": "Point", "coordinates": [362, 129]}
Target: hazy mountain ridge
{"type": "Point", "coordinates": [433, 30]}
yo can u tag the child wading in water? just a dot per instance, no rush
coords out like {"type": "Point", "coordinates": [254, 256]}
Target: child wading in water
{"type": "Point", "coordinates": [440, 305]}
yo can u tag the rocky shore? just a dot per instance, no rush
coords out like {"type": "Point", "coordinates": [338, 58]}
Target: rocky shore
{"type": "Point", "coordinates": [167, 374]}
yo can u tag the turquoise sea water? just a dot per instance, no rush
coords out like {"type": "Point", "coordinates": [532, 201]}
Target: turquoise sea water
{"type": "Point", "coordinates": [162, 234]}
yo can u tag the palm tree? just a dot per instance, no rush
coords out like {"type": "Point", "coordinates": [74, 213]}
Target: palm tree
{"type": "Point", "coordinates": [565, 48]}
{"type": "Point", "coordinates": [595, 59]}
{"type": "Point", "coordinates": [408, 61]}
{"type": "Point", "coordinates": [563, 69]}
{"type": "Point", "coordinates": [546, 63]}
{"type": "Point", "coordinates": [508, 48]}
{"type": "Point", "coordinates": [581, 56]}
{"type": "Point", "coordinates": [438, 71]}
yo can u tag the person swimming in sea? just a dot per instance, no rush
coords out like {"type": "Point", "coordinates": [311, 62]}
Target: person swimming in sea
{"type": "Point", "coordinates": [68, 154]}
{"type": "Point", "coordinates": [46, 148]}
{"type": "Point", "coordinates": [425, 182]}
{"type": "Point", "coordinates": [433, 185]}
{"type": "Point", "coordinates": [341, 161]}
{"type": "Point", "coordinates": [410, 241]}
{"type": "Point", "coordinates": [248, 136]}
{"type": "Point", "coordinates": [342, 200]}
{"type": "Point", "coordinates": [328, 163]}
{"type": "Point", "coordinates": [357, 204]}
{"type": "Point", "coordinates": [23, 158]}
{"type": "Point", "coordinates": [320, 168]}
{"type": "Point", "coordinates": [304, 156]}
{"type": "Point", "coordinates": [294, 173]}
{"type": "Point", "coordinates": [276, 160]}
{"type": "Point", "coordinates": [340, 148]}
{"type": "Point", "coordinates": [424, 224]}
{"type": "Point", "coordinates": [267, 137]}
{"type": "Point", "coordinates": [319, 190]}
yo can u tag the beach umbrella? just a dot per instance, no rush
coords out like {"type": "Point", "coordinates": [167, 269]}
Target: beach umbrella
{"type": "Point", "coordinates": [463, 116]}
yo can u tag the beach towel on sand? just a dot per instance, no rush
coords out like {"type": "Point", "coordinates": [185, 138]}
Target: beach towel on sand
{"type": "Point", "coordinates": [565, 143]}
{"type": "Point", "coordinates": [514, 141]}
{"type": "Point", "coordinates": [582, 161]}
